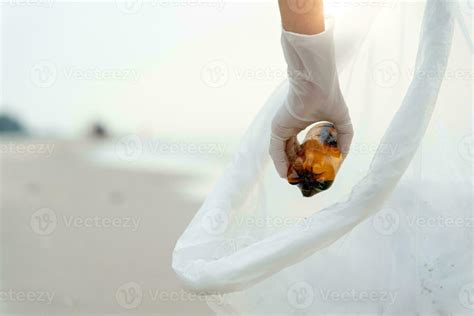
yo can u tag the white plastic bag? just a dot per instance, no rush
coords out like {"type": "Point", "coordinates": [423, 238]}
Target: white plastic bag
{"type": "Point", "coordinates": [369, 243]}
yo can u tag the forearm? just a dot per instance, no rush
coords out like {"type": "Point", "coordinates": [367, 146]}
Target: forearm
{"type": "Point", "coordinates": [302, 16]}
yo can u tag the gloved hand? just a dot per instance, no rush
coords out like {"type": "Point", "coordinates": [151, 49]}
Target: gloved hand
{"type": "Point", "coordinates": [314, 94]}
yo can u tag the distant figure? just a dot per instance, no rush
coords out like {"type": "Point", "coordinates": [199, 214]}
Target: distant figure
{"type": "Point", "coordinates": [9, 124]}
{"type": "Point", "coordinates": [98, 130]}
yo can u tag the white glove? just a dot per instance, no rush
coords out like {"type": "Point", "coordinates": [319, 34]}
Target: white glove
{"type": "Point", "coordinates": [314, 94]}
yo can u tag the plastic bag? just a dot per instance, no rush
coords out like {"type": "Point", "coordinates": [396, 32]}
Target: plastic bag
{"type": "Point", "coordinates": [394, 234]}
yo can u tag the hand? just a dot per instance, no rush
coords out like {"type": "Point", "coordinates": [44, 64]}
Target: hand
{"type": "Point", "coordinates": [314, 94]}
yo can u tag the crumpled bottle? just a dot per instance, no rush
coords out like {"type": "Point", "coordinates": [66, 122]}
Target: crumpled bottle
{"type": "Point", "coordinates": [313, 165]}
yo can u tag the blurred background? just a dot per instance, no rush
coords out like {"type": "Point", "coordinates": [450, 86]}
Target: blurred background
{"type": "Point", "coordinates": [116, 118]}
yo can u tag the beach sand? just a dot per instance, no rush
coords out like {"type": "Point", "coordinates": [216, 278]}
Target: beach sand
{"type": "Point", "coordinates": [81, 238]}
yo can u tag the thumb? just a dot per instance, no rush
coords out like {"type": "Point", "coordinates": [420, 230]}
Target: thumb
{"type": "Point", "coordinates": [278, 155]}
{"type": "Point", "coordinates": [345, 133]}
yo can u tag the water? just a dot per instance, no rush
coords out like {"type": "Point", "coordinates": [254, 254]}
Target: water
{"type": "Point", "coordinates": [200, 160]}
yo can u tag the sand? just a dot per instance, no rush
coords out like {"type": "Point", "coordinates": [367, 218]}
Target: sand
{"type": "Point", "coordinates": [106, 245]}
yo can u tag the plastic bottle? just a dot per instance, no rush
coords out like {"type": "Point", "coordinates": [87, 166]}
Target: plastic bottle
{"type": "Point", "coordinates": [313, 165]}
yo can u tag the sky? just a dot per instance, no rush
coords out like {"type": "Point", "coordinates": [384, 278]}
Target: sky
{"type": "Point", "coordinates": [154, 67]}
{"type": "Point", "coordinates": [149, 67]}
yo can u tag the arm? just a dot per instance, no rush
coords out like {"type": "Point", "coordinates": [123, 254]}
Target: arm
{"type": "Point", "coordinates": [314, 94]}
{"type": "Point", "coordinates": [302, 16]}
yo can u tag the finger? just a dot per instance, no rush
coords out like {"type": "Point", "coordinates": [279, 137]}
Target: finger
{"type": "Point", "coordinates": [278, 155]}
{"type": "Point", "coordinates": [345, 131]}
{"type": "Point", "coordinates": [292, 146]}
{"type": "Point", "coordinates": [284, 133]}
{"type": "Point", "coordinates": [285, 125]}
{"type": "Point", "coordinates": [345, 134]}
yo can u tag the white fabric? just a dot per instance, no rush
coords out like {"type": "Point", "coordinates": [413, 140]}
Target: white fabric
{"type": "Point", "coordinates": [314, 94]}
{"type": "Point", "coordinates": [276, 253]}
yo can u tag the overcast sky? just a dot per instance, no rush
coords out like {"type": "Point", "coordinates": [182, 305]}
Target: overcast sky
{"type": "Point", "coordinates": [143, 66]}
{"type": "Point", "coordinates": [154, 66]}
